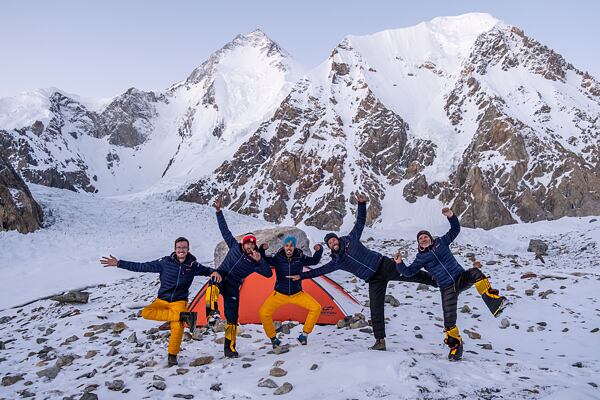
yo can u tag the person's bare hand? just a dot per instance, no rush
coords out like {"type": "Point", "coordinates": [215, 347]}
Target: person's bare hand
{"type": "Point", "coordinates": [111, 261]}
{"type": "Point", "coordinates": [264, 246]}
{"type": "Point", "coordinates": [294, 277]}
{"type": "Point", "coordinates": [255, 255]}
{"type": "Point", "coordinates": [398, 257]}
{"type": "Point", "coordinates": [361, 198]}
{"type": "Point", "coordinates": [447, 212]}
{"type": "Point", "coordinates": [217, 204]}
{"type": "Point", "coordinates": [215, 276]}
{"type": "Point", "coordinates": [318, 247]}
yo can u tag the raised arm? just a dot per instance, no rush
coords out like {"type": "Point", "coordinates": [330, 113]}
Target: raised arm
{"type": "Point", "coordinates": [264, 268]}
{"type": "Point", "coordinates": [201, 270]}
{"type": "Point", "coordinates": [361, 218]}
{"type": "Point", "coordinates": [316, 258]}
{"type": "Point", "coordinates": [409, 271]}
{"type": "Point", "coordinates": [325, 269]}
{"type": "Point", "coordinates": [262, 249]}
{"type": "Point", "coordinates": [150, 266]}
{"type": "Point", "coordinates": [454, 226]}
{"type": "Point", "coordinates": [225, 232]}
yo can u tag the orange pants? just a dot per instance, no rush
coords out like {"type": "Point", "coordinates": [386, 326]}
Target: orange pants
{"type": "Point", "coordinates": [277, 300]}
{"type": "Point", "coordinates": [161, 310]}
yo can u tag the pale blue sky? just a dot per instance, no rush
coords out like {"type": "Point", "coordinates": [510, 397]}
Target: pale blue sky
{"type": "Point", "coordinates": [100, 48]}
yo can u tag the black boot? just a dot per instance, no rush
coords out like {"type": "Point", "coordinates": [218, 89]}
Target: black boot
{"type": "Point", "coordinates": [172, 360]}
{"type": "Point", "coordinates": [454, 341]}
{"type": "Point", "coordinates": [491, 297]}
{"type": "Point", "coordinates": [230, 336]}
{"type": "Point", "coordinates": [379, 345]}
{"type": "Point", "coordinates": [190, 319]}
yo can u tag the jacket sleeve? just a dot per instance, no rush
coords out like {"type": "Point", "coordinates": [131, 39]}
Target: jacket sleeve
{"type": "Point", "coordinates": [269, 259]}
{"type": "Point", "coordinates": [264, 269]}
{"type": "Point", "coordinates": [150, 266]}
{"type": "Point", "coordinates": [225, 232]}
{"type": "Point", "coordinates": [453, 232]}
{"type": "Point", "coordinates": [411, 270]}
{"type": "Point", "coordinates": [325, 269]}
{"type": "Point", "coordinates": [315, 259]}
{"type": "Point", "coordinates": [361, 219]}
{"type": "Point", "coordinates": [201, 270]}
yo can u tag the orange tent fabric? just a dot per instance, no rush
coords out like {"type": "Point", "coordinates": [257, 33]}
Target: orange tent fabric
{"type": "Point", "coordinates": [336, 303]}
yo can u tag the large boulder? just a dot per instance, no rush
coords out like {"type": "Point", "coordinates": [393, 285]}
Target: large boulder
{"type": "Point", "coordinates": [271, 236]}
{"type": "Point", "coordinates": [18, 210]}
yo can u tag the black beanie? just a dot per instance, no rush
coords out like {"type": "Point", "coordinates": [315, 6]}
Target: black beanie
{"type": "Point", "coordinates": [424, 233]}
{"type": "Point", "coordinates": [329, 236]}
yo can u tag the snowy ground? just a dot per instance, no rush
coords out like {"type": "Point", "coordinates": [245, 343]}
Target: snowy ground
{"type": "Point", "coordinates": [549, 350]}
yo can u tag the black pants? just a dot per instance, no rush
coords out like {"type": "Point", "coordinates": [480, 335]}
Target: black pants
{"type": "Point", "coordinates": [231, 301]}
{"type": "Point", "coordinates": [378, 286]}
{"type": "Point", "coordinates": [450, 294]}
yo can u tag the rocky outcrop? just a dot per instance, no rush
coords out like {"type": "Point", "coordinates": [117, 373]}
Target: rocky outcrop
{"type": "Point", "coordinates": [271, 236]}
{"type": "Point", "coordinates": [18, 210]}
{"type": "Point", "coordinates": [127, 120]}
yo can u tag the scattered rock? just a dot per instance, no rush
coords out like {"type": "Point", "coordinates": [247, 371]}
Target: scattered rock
{"type": "Point", "coordinates": [392, 300]}
{"type": "Point", "coordinates": [182, 371]}
{"type": "Point", "coordinates": [486, 346]}
{"type": "Point", "coordinates": [160, 385]}
{"type": "Point", "coordinates": [49, 373]}
{"type": "Point", "coordinates": [277, 372]}
{"type": "Point", "coordinates": [537, 246]}
{"type": "Point", "coordinates": [314, 367]}
{"type": "Point", "coordinates": [505, 323]}
{"type": "Point", "coordinates": [89, 396]}
{"type": "Point", "coordinates": [422, 286]}
{"type": "Point", "coordinates": [71, 339]}
{"type": "Point", "coordinates": [116, 385]}
{"type": "Point", "coordinates": [26, 394]}
{"type": "Point", "coordinates": [90, 354]}
{"type": "Point", "coordinates": [472, 334]}
{"type": "Point", "coordinates": [216, 387]}
{"type": "Point", "coordinates": [578, 364]}
{"type": "Point", "coordinates": [544, 295]}
{"type": "Point", "coordinates": [75, 296]}
{"type": "Point", "coordinates": [11, 379]}
{"type": "Point", "coordinates": [528, 275]}
{"type": "Point", "coordinates": [509, 287]}
{"type": "Point", "coordinates": [65, 361]}
{"type": "Point", "coordinates": [183, 396]}
{"type": "Point", "coordinates": [119, 327]}
{"type": "Point", "coordinates": [283, 389]}
{"type": "Point", "coordinates": [132, 338]}
{"type": "Point", "coordinates": [112, 352]}
{"type": "Point", "coordinates": [268, 383]}
{"type": "Point", "coordinates": [595, 330]}
{"type": "Point", "coordinates": [465, 309]}
{"type": "Point", "coordinates": [529, 292]}
{"type": "Point", "coordinates": [201, 361]}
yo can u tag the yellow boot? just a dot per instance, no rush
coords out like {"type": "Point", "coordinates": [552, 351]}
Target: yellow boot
{"type": "Point", "coordinates": [454, 341]}
{"type": "Point", "coordinates": [230, 336]}
{"type": "Point", "coordinates": [491, 297]}
{"type": "Point", "coordinates": [212, 303]}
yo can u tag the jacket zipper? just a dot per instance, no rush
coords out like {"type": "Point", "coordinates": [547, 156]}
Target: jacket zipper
{"type": "Point", "coordinates": [177, 283]}
{"type": "Point", "coordinates": [443, 266]}
{"type": "Point", "coordinates": [369, 268]}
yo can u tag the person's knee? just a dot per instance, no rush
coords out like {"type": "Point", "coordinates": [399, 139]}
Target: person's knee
{"type": "Point", "coordinates": [146, 312]}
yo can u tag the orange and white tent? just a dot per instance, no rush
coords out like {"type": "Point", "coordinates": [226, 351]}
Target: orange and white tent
{"type": "Point", "coordinates": [335, 302]}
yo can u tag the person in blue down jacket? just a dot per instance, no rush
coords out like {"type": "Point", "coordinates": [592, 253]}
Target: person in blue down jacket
{"type": "Point", "coordinates": [177, 272]}
{"type": "Point", "coordinates": [436, 257]}
{"type": "Point", "coordinates": [240, 261]}
{"type": "Point", "coordinates": [289, 260]}
{"type": "Point", "coordinates": [349, 254]}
